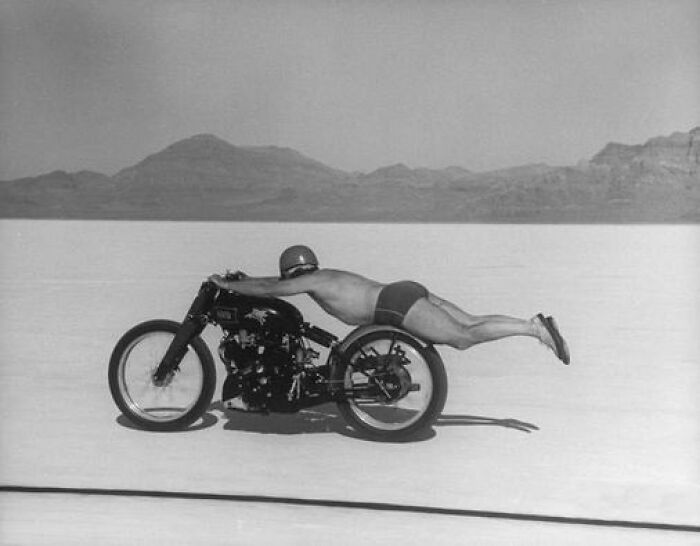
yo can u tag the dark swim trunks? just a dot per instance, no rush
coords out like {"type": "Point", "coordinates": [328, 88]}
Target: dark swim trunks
{"type": "Point", "coordinates": [395, 300]}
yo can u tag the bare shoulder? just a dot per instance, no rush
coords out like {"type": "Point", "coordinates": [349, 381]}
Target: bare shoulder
{"type": "Point", "coordinates": [336, 279]}
{"type": "Point", "coordinates": [337, 275]}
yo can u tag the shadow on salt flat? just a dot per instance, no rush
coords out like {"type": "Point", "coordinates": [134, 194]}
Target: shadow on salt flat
{"type": "Point", "coordinates": [326, 419]}
{"type": "Point", "coordinates": [207, 420]}
{"type": "Point", "coordinates": [475, 420]}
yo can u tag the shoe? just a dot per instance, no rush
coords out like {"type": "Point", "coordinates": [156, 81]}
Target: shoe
{"type": "Point", "coordinates": [555, 342]}
{"type": "Point", "coordinates": [564, 350]}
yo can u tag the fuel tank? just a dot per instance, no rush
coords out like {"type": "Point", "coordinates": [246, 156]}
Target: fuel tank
{"type": "Point", "coordinates": [233, 311]}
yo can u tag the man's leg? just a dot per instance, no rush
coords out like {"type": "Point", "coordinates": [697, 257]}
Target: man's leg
{"type": "Point", "coordinates": [451, 309]}
{"type": "Point", "coordinates": [466, 319]}
{"type": "Point", "coordinates": [440, 321]}
{"type": "Point", "coordinates": [435, 323]}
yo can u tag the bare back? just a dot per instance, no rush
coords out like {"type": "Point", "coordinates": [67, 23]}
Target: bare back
{"type": "Point", "coordinates": [347, 296]}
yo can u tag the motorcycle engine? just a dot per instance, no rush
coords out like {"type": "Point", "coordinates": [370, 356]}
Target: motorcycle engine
{"type": "Point", "coordinates": [264, 372]}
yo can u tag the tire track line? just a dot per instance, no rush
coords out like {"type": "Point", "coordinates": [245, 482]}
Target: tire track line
{"type": "Point", "coordinates": [377, 506]}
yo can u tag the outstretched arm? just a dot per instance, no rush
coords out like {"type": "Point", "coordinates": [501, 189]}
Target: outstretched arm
{"type": "Point", "coordinates": [264, 286]}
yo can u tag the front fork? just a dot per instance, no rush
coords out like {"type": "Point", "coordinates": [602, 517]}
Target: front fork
{"type": "Point", "coordinates": [192, 326]}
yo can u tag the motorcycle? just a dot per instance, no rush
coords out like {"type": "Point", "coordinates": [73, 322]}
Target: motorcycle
{"type": "Point", "coordinates": [386, 383]}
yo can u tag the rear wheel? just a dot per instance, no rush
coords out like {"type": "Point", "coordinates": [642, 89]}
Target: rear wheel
{"type": "Point", "coordinates": [173, 403]}
{"type": "Point", "coordinates": [395, 386]}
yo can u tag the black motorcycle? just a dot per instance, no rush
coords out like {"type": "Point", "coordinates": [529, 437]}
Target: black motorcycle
{"type": "Point", "coordinates": [387, 383]}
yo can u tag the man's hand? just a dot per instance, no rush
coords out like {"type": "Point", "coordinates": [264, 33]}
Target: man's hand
{"type": "Point", "coordinates": [218, 280]}
{"type": "Point", "coordinates": [237, 276]}
{"type": "Point", "coordinates": [226, 280]}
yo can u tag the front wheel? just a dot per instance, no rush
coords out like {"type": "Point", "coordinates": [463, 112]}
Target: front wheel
{"type": "Point", "coordinates": [394, 385]}
{"type": "Point", "coordinates": [172, 403]}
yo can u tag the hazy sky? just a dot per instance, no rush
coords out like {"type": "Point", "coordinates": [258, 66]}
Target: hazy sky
{"type": "Point", "coordinates": [355, 84]}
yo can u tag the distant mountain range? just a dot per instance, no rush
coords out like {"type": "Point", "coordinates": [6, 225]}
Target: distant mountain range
{"type": "Point", "coordinates": [206, 178]}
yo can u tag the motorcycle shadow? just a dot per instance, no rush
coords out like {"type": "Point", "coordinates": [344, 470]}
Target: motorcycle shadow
{"type": "Point", "coordinates": [207, 420]}
{"type": "Point", "coordinates": [322, 419]}
{"type": "Point", "coordinates": [326, 419]}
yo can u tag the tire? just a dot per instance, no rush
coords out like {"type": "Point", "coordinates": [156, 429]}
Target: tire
{"type": "Point", "coordinates": [185, 395]}
{"type": "Point", "coordinates": [400, 418]}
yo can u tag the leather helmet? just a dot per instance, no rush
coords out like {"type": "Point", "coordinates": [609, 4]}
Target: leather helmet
{"type": "Point", "coordinates": [297, 260]}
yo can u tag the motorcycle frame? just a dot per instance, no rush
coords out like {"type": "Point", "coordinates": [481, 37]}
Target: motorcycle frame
{"type": "Point", "coordinates": [199, 316]}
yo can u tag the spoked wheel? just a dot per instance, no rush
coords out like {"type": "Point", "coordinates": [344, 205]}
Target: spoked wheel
{"type": "Point", "coordinates": [169, 404]}
{"type": "Point", "coordinates": [394, 385]}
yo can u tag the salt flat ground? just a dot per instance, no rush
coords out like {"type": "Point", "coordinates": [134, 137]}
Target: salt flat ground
{"type": "Point", "coordinates": [617, 433]}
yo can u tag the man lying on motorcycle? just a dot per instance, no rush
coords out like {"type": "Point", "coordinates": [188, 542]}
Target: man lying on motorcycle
{"type": "Point", "coordinates": [357, 300]}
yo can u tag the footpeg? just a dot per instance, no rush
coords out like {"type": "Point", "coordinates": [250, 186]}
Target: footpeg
{"type": "Point", "coordinates": [236, 404]}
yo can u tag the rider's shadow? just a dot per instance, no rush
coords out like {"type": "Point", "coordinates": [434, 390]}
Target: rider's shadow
{"type": "Point", "coordinates": [327, 419]}
{"type": "Point", "coordinates": [475, 420]}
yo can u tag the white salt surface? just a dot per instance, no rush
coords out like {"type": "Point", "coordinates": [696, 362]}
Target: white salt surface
{"type": "Point", "coordinates": [58, 520]}
{"type": "Point", "coordinates": [618, 434]}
